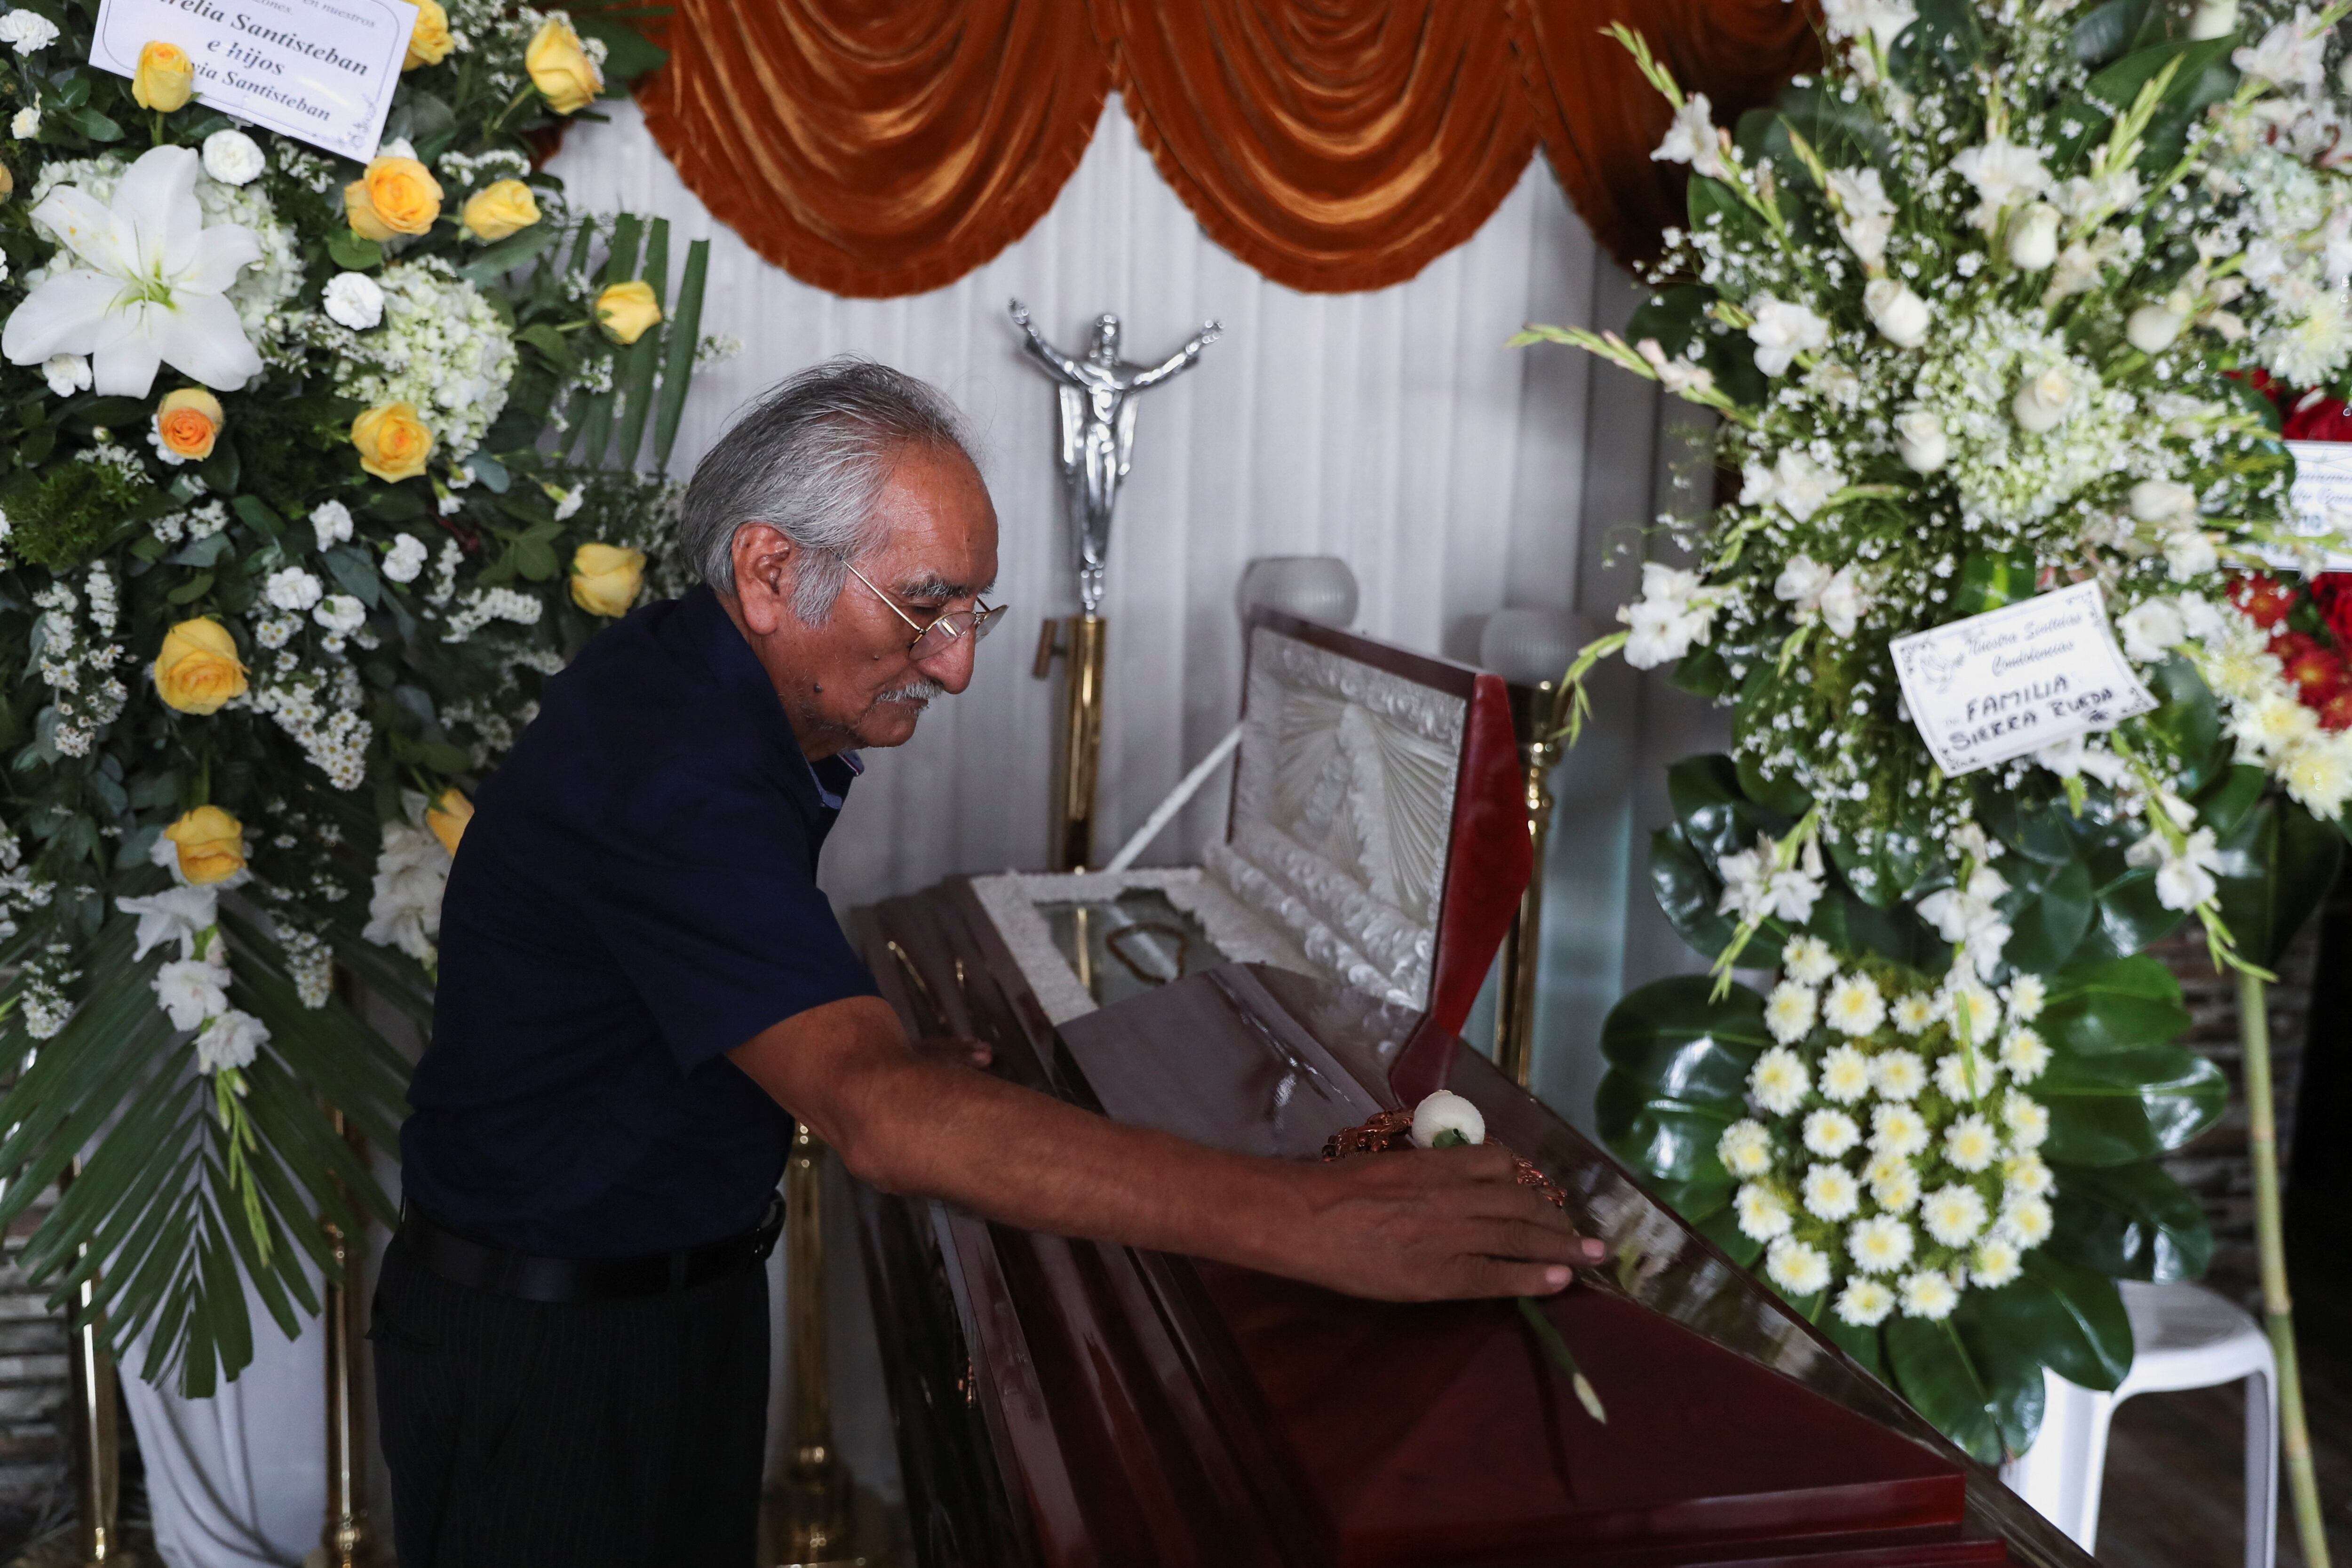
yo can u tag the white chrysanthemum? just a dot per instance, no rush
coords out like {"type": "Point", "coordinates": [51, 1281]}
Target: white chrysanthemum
{"type": "Point", "coordinates": [1797, 1268]}
{"type": "Point", "coordinates": [1864, 1303]}
{"type": "Point", "coordinates": [1928, 1294]}
{"type": "Point", "coordinates": [1899, 1074]}
{"type": "Point", "coordinates": [1779, 1080]}
{"type": "Point", "coordinates": [1789, 1011]}
{"type": "Point", "coordinates": [1830, 1192]}
{"type": "Point", "coordinates": [1954, 1214]}
{"type": "Point", "coordinates": [1880, 1244]}
{"type": "Point", "coordinates": [1807, 960]}
{"type": "Point", "coordinates": [1745, 1148]}
{"type": "Point", "coordinates": [1966, 1075]}
{"type": "Point", "coordinates": [2318, 771]}
{"type": "Point", "coordinates": [1898, 1129]}
{"type": "Point", "coordinates": [2025, 996]}
{"type": "Point", "coordinates": [2027, 1119]}
{"type": "Point", "coordinates": [1846, 1075]}
{"type": "Point", "coordinates": [1996, 1262]}
{"type": "Point", "coordinates": [1831, 1133]}
{"type": "Point", "coordinates": [1915, 1013]}
{"type": "Point", "coordinates": [2025, 1054]}
{"type": "Point", "coordinates": [1855, 1006]}
{"type": "Point", "coordinates": [1760, 1213]}
{"type": "Point", "coordinates": [2026, 1220]}
{"type": "Point", "coordinates": [1973, 1012]}
{"type": "Point", "coordinates": [1895, 1184]}
{"type": "Point", "coordinates": [2028, 1175]}
{"type": "Point", "coordinates": [1970, 1143]}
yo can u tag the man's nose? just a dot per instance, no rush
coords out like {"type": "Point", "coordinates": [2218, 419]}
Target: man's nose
{"type": "Point", "coordinates": [951, 667]}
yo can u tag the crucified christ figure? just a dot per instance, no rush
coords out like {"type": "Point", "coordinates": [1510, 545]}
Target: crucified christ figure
{"type": "Point", "coordinates": [1098, 395]}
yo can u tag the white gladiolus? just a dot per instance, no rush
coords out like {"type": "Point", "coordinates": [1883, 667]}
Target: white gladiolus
{"type": "Point", "coordinates": [1920, 441]}
{"type": "Point", "coordinates": [1672, 612]}
{"type": "Point", "coordinates": [2033, 239]}
{"type": "Point", "coordinates": [231, 1040]}
{"type": "Point", "coordinates": [1882, 20]}
{"type": "Point", "coordinates": [1901, 317]}
{"type": "Point", "coordinates": [1782, 332]}
{"type": "Point", "coordinates": [1445, 1112]}
{"type": "Point", "coordinates": [2152, 329]}
{"type": "Point", "coordinates": [145, 286]}
{"type": "Point", "coordinates": [2292, 55]}
{"type": "Point", "coordinates": [191, 990]}
{"type": "Point", "coordinates": [25, 123]}
{"type": "Point", "coordinates": [1866, 215]}
{"type": "Point", "coordinates": [1693, 140]}
{"type": "Point", "coordinates": [2003, 175]}
{"type": "Point", "coordinates": [2184, 876]}
{"type": "Point", "coordinates": [405, 908]}
{"type": "Point", "coordinates": [2151, 628]}
{"type": "Point", "coordinates": [2043, 402]}
{"type": "Point", "coordinates": [1794, 482]}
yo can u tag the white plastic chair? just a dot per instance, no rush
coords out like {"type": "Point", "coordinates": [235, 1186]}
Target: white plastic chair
{"type": "Point", "coordinates": [2185, 1337]}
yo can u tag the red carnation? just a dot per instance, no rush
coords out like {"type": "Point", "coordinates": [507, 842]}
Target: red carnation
{"type": "Point", "coordinates": [2318, 672]}
{"type": "Point", "coordinates": [2336, 713]}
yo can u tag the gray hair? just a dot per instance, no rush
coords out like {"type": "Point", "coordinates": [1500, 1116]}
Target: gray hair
{"type": "Point", "coordinates": [810, 459]}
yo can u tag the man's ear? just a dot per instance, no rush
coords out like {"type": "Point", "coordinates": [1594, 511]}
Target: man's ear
{"type": "Point", "coordinates": [767, 569]}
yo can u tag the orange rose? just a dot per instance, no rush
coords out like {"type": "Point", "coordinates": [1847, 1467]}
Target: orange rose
{"type": "Point", "coordinates": [187, 423]}
{"type": "Point", "coordinates": [396, 195]}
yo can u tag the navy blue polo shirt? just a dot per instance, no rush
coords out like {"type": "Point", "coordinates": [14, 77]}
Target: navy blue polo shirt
{"type": "Point", "coordinates": [634, 897]}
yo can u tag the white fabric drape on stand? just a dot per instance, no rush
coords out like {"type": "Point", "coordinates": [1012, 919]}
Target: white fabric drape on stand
{"type": "Point", "coordinates": [239, 1481]}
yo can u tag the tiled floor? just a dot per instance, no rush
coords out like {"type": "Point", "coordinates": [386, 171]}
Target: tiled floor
{"type": "Point", "coordinates": [2175, 1492]}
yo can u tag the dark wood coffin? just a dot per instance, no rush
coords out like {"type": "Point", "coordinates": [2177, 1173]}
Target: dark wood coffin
{"type": "Point", "coordinates": [1063, 1403]}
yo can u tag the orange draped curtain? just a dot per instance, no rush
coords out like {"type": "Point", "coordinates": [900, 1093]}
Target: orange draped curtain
{"type": "Point", "coordinates": [877, 149]}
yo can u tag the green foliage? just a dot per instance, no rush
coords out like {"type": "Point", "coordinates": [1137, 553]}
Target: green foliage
{"type": "Point", "coordinates": [68, 513]}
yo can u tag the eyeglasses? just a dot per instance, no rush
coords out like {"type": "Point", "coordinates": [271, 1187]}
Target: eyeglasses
{"type": "Point", "coordinates": [932, 640]}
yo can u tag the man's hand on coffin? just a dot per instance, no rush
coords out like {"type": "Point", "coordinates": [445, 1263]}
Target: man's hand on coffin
{"type": "Point", "coordinates": [1423, 1225]}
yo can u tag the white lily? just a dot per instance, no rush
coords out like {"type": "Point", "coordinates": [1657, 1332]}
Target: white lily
{"type": "Point", "coordinates": [148, 289]}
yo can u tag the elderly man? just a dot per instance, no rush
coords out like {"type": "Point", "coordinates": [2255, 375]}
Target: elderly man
{"type": "Point", "coordinates": [641, 986]}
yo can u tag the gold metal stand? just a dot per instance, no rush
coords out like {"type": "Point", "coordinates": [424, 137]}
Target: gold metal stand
{"type": "Point", "coordinates": [812, 1513]}
{"type": "Point", "coordinates": [347, 1540]}
{"type": "Point", "coordinates": [1523, 946]}
{"type": "Point", "coordinates": [1077, 763]}
{"type": "Point", "coordinates": [98, 1442]}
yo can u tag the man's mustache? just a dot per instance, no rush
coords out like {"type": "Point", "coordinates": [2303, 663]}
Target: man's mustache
{"type": "Point", "coordinates": [918, 693]}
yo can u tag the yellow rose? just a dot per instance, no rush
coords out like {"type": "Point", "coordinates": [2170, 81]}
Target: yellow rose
{"type": "Point", "coordinates": [605, 578]}
{"type": "Point", "coordinates": [165, 78]}
{"type": "Point", "coordinates": [7, 183]}
{"type": "Point", "coordinates": [562, 70]}
{"type": "Point", "coordinates": [429, 42]}
{"type": "Point", "coordinates": [396, 195]}
{"type": "Point", "coordinates": [198, 670]}
{"type": "Point", "coordinates": [499, 210]}
{"type": "Point", "coordinates": [393, 442]}
{"type": "Point", "coordinates": [628, 310]}
{"type": "Point", "coordinates": [188, 422]}
{"type": "Point", "coordinates": [447, 817]}
{"type": "Point", "coordinates": [211, 842]}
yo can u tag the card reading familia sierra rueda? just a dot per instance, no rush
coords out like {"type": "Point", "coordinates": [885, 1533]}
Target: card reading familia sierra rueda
{"type": "Point", "coordinates": [2011, 680]}
{"type": "Point", "coordinates": [320, 70]}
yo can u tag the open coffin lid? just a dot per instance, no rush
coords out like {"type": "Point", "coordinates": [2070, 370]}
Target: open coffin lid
{"type": "Point", "coordinates": [1377, 837]}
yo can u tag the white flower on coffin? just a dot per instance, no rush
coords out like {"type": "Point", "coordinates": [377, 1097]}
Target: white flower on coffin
{"type": "Point", "coordinates": [1782, 332]}
{"type": "Point", "coordinates": [149, 287]}
{"type": "Point", "coordinates": [2291, 55]}
{"type": "Point", "coordinates": [1692, 139]}
{"type": "Point", "coordinates": [2003, 175]}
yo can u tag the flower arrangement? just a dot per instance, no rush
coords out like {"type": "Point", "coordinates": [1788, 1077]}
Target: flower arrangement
{"type": "Point", "coordinates": [1990, 307]}
{"type": "Point", "coordinates": [310, 473]}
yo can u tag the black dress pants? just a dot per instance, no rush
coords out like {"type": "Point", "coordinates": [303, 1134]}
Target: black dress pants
{"type": "Point", "coordinates": [624, 1433]}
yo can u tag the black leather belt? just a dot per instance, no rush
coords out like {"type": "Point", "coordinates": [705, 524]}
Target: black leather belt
{"type": "Point", "coordinates": [558, 1281]}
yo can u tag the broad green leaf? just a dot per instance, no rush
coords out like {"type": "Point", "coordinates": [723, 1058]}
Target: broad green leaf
{"type": "Point", "coordinates": [2188, 723]}
{"type": "Point", "coordinates": [1716, 815]}
{"type": "Point", "coordinates": [2049, 915]}
{"type": "Point", "coordinates": [2121, 1105]}
{"type": "Point", "coordinates": [1866, 1346]}
{"type": "Point", "coordinates": [1672, 1041]}
{"type": "Point", "coordinates": [1686, 891]}
{"type": "Point", "coordinates": [1773, 792]}
{"type": "Point", "coordinates": [2114, 1006]}
{"type": "Point", "coordinates": [1985, 1414]}
{"type": "Point", "coordinates": [2225, 802]}
{"type": "Point", "coordinates": [2132, 1222]}
{"type": "Point", "coordinates": [2274, 872]}
{"type": "Point", "coordinates": [494, 261]}
{"type": "Point", "coordinates": [1673, 315]}
{"type": "Point", "coordinates": [1670, 1140]}
{"type": "Point", "coordinates": [1943, 46]}
{"type": "Point", "coordinates": [628, 53]}
{"type": "Point", "coordinates": [2068, 1318]}
{"type": "Point", "coordinates": [2128, 915]}
{"type": "Point", "coordinates": [352, 252]}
